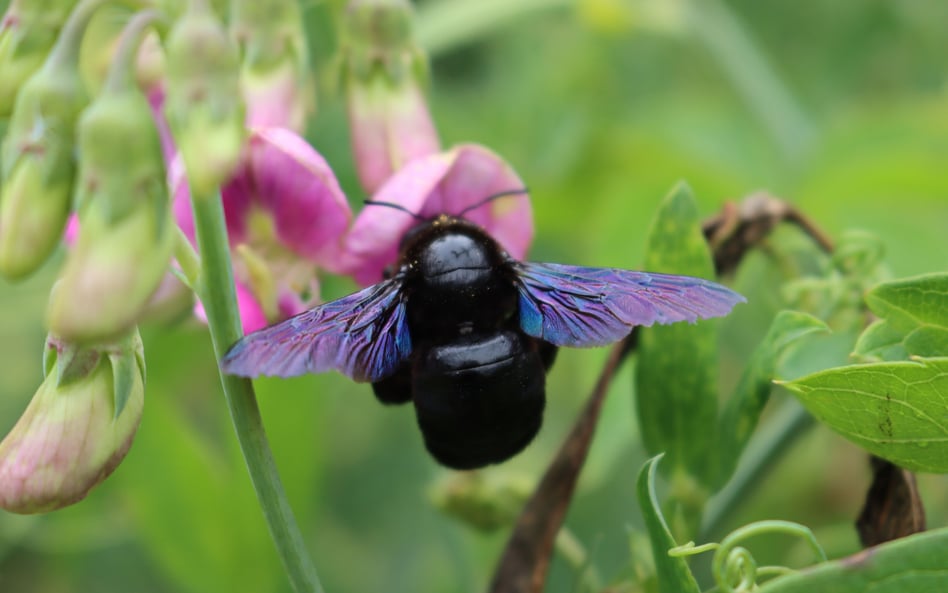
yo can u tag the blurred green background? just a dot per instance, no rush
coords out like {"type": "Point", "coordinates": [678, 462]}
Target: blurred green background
{"type": "Point", "coordinates": [601, 106]}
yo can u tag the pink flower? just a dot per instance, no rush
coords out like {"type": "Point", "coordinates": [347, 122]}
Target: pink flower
{"type": "Point", "coordinates": [384, 73]}
{"type": "Point", "coordinates": [444, 183]}
{"type": "Point", "coordinates": [390, 126]}
{"type": "Point", "coordinates": [275, 72]}
{"type": "Point", "coordinates": [285, 215]}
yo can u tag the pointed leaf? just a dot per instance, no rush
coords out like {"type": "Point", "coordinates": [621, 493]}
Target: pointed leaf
{"type": "Point", "coordinates": [914, 564]}
{"type": "Point", "coordinates": [676, 374]}
{"type": "Point", "coordinates": [927, 341]}
{"type": "Point", "coordinates": [912, 302]}
{"type": "Point", "coordinates": [74, 362]}
{"type": "Point", "coordinates": [895, 410]}
{"type": "Point", "coordinates": [915, 313]}
{"type": "Point", "coordinates": [123, 379]}
{"type": "Point", "coordinates": [743, 409]}
{"type": "Point", "coordinates": [879, 342]}
{"type": "Point", "coordinates": [673, 573]}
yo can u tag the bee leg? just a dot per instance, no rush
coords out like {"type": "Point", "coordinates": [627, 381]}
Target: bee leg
{"type": "Point", "coordinates": [395, 389]}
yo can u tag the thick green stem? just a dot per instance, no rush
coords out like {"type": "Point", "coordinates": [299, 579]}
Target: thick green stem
{"type": "Point", "coordinates": [220, 303]}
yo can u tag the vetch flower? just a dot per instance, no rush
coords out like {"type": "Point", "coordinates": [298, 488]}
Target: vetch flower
{"type": "Point", "coordinates": [37, 154]}
{"type": "Point", "coordinates": [203, 104]}
{"type": "Point", "coordinates": [384, 73]}
{"type": "Point", "coordinates": [274, 71]}
{"type": "Point", "coordinates": [444, 183]}
{"type": "Point", "coordinates": [77, 428]}
{"type": "Point", "coordinates": [27, 32]}
{"type": "Point", "coordinates": [126, 233]}
{"type": "Point", "coordinates": [285, 215]}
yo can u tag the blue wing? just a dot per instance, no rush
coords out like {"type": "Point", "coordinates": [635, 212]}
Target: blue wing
{"type": "Point", "coordinates": [363, 335]}
{"type": "Point", "coordinates": [577, 306]}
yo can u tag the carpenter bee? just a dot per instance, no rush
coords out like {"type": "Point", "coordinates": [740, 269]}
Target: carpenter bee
{"type": "Point", "coordinates": [467, 334]}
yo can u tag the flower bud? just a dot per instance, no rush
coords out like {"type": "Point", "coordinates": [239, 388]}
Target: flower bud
{"type": "Point", "coordinates": [274, 68]}
{"type": "Point", "coordinates": [77, 428]}
{"type": "Point", "coordinates": [27, 32]}
{"type": "Point", "coordinates": [484, 501]}
{"type": "Point", "coordinates": [203, 103]}
{"type": "Point", "coordinates": [126, 233]}
{"type": "Point", "coordinates": [37, 155]}
{"type": "Point", "coordinates": [384, 72]}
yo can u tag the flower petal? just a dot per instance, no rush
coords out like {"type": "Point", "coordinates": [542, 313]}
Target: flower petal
{"type": "Point", "coordinates": [295, 184]}
{"type": "Point", "coordinates": [445, 183]}
{"type": "Point", "coordinates": [252, 316]}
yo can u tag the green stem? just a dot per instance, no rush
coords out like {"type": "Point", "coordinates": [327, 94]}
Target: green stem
{"type": "Point", "coordinates": [776, 438]}
{"type": "Point", "coordinates": [121, 74]}
{"type": "Point", "coordinates": [64, 54]}
{"type": "Point", "coordinates": [220, 303]}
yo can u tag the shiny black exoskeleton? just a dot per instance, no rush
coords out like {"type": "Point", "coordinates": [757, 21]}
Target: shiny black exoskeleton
{"type": "Point", "coordinates": [476, 379]}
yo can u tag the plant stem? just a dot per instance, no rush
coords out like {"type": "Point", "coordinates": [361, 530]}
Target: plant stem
{"type": "Point", "coordinates": [775, 439]}
{"type": "Point", "coordinates": [218, 295]}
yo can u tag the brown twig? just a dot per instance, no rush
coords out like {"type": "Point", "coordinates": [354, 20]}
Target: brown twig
{"type": "Point", "coordinates": [739, 228]}
{"type": "Point", "coordinates": [524, 562]}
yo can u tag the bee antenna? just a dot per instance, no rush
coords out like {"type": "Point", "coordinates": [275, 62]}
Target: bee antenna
{"type": "Point", "coordinates": [492, 197]}
{"type": "Point", "coordinates": [395, 206]}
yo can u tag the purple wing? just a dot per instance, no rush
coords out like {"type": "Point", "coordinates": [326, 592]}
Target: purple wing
{"type": "Point", "coordinates": [363, 335]}
{"type": "Point", "coordinates": [577, 306]}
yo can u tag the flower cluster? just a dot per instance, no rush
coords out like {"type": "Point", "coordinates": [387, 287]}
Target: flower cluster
{"type": "Point", "coordinates": [203, 110]}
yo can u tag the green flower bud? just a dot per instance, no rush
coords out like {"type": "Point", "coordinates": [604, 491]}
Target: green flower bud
{"type": "Point", "coordinates": [32, 216]}
{"type": "Point", "coordinates": [485, 502]}
{"type": "Point", "coordinates": [126, 233]}
{"type": "Point", "coordinates": [27, 32]}
{"type": "Point", "coordinates": [37, 155]}
{"type": "Point", "coordinates": [77, 428]}
{"type": "Point", "coordinates": [204, 105]}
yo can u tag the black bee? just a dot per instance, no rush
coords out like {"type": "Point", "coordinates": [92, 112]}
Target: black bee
{"type": "Point", "coordinates": [467, 334]}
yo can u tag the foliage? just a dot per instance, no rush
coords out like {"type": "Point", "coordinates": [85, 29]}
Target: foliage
{"type": "Point", "coordinates": [601, 106]}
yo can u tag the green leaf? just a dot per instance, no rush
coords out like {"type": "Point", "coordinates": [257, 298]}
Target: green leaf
{"type": "Point", "coordinates": [915, 320]}
{"type": "Point", "coordinates": [927, 342]}
{"type": "Point", "coordinates": [743, 409]}
{"type": "Point", "coordinates": [673, 573]}
{"type": "Point", "coordinates": [879, 342]}
{"type": "Point", "coordinates": [912, 302]}
{"type": "Point", "coordinates": [123, 379]}
{"type": "Point", "coordinates": [914, 564]}
{"type": "Point", "coordinates": [676, 374]}
{"type": "Point", "coordinates": [74, 363]}
{"type": "Point", "coordinates": [896, 410]}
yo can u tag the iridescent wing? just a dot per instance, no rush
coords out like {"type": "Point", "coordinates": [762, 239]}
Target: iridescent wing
{"type": "Point", "coordinates": [363, 335]}
{"type": "Point", "coordinates": [578, 306]}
